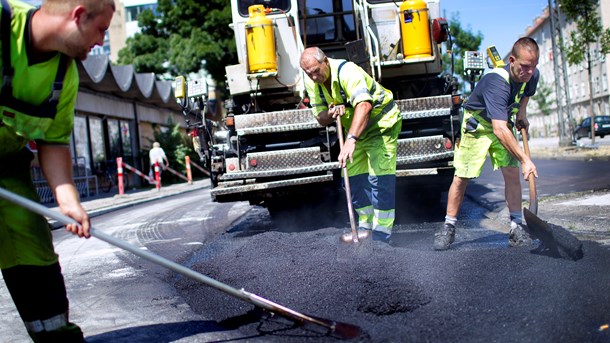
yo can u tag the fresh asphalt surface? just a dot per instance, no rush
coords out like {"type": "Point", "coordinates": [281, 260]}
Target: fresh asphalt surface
{"type": "Point", "coordinates": [478, 291]}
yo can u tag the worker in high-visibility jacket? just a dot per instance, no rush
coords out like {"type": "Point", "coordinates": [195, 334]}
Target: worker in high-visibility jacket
{"type": "Point", "coordinates": [372, 121]}
{"type": "Point", "coordinates": [497, 104]}
{"type": "Point", "coordinates": [37, 100]}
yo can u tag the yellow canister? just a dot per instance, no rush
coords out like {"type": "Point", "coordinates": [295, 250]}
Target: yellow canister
{"type": "Point", "coordinates": [260, 41]}
{"type": "Point", "coordinates": [415, 29]}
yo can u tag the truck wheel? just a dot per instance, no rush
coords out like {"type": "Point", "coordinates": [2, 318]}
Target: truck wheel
{"type": "Point", "coordinates": [214, 178]}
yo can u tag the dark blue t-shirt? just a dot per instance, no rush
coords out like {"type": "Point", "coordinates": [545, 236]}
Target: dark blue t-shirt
{"type": "Point", "coordinates": [495, 97]}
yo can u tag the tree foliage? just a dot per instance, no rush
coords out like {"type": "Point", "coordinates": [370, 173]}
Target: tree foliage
{"type": "Point", "coordinates": [589, 29]}
{"type": "Point", "coordinates": [184, 37]}
{"type": "Point", "coordinates": [463, 40]}
{"type": "Point", "coordinates": [543, 97]}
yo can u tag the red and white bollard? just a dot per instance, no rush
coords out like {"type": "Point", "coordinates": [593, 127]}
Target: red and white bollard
{"type": "Point", "coordinates": [119, 167]}
{"type": "Point", "coordinates": [189, 176]}
{"type": "Point", "coordinates": [157, 176]}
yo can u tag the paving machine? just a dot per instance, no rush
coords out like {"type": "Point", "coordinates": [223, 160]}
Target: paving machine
{"type": "Point", "coordinates": [273, 147]}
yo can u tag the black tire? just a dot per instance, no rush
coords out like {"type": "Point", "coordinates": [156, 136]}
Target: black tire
{"type": "Point", "coordinates": [106, 182]}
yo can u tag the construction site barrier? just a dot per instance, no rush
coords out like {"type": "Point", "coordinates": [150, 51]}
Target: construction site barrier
{"type": "Point", "coordinates": [139, 173]}
{"type": "Point", "coordinates": [157, 180]}
{"type": "Point", "coordinates": [177, 174]}
{"type": "Point", "coordinates": [189, 175]}
{"type": "Point", "coordinates": [200, 168]}
{"type": "Point", "coordinates": [157, 176]}
{"type": "Point", "coordinates": [119, 163]}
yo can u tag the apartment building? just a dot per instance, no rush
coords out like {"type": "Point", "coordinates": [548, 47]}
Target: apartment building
{"type": "Point", "coordinates": [577, 76]}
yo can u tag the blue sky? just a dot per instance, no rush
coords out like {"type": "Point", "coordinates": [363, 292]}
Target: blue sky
{"type": "Point", "coordinates": [501, 23]}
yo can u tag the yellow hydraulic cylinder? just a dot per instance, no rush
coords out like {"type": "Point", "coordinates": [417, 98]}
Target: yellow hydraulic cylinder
{"type": "Point", "coordinates": [415, 29]}
{"type": "Point", "coordinates": [260, 41]}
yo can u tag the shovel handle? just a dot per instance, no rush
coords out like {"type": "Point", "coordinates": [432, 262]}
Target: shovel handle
{"type": "Point", "coordinates": [348, 191]}
{"type": "Point", "coordinates": [531, 179]}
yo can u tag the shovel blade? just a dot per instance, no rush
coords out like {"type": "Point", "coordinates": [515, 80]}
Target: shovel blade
{"type": "Point", "coordinates": [557, 241]}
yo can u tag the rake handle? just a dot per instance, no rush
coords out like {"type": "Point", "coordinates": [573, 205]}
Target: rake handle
{"type": "Point", "coordinates": [345, 330]}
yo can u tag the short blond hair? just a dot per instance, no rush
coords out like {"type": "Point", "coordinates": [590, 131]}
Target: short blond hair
{"type": "Point", "coordinates": [94, 7]}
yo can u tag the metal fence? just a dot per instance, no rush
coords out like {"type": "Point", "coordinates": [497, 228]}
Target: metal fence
{"type": "Point", "coordinates": [86, 183]}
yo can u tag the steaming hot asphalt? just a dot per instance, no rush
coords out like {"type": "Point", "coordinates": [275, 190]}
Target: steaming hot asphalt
{"type": "Point", "coordinates": [478, 291]}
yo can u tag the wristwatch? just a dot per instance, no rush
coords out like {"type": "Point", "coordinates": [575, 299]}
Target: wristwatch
{"type": "Point", "coordinates": [350, 136]}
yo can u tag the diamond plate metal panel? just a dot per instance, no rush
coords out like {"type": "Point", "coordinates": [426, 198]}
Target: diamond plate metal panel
{"type": "Point", "coordinates": [283, 159]}
{"type": "Point", "coordinates": [440, 112]}
{"type": "Point", "coordinates": [422, 149]}
{"type": "Point", "coordinates": [280, 172]}
{"type": "Point", "coordinates": [221, 190]}
{"type": "Point", "coordinates": [423, 104]}
{"type": "Point", "coordinates": [279, 121]}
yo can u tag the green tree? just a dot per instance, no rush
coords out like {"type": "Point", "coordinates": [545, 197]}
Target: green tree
{"type": "Point", "coordinates": [463, 40]}
{"type": "Point", "coordinates": [589, 32]}
{"type": "Point", "coordinates": [184, 37]}
{"type": "Point", "coordinates": [543, 93]}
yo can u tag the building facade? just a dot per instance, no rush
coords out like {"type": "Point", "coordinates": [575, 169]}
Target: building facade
{"type": "Point", "coordinates": [577, 76]}
{"type": "Point", "coordinates": [117, 112]}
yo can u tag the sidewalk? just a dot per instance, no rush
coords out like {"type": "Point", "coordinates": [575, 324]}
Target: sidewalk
{"type": "Point", "coordinates": [107, 202]}
{"type": "Point", "coordinates": [549, 148]}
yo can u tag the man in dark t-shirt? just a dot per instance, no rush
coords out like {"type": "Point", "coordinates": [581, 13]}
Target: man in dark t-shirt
{"type": "Point", "coordinates": [497, 103]}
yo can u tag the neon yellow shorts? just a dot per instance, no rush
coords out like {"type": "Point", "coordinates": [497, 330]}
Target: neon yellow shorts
{"type": "Point", "coordinates": [477, 140]}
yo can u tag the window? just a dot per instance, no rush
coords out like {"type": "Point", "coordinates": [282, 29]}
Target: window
{"type": "Point", "coordinates": [322, 22]}
{"type": "Point", "coordinates": [596, 85]}
{"type": "Point", "coordinates": [119, 135]}
{"type": "Point", "coordinates": [131, 13]}
{"type": "Point", "coordinates": [96, 131]}
{"type": "Point", "coordinates": [126, 139]}
{"type": "Point", "coordinates": [604, 82]}
{"type": "Point", "coordinates": [81, 141]}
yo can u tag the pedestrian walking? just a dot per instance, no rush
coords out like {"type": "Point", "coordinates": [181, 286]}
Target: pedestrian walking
{"type": "Point", "coordinates": [339, 88]}
{"type": "Point", "coordinates": [37, 103]}
{"type": "Point", "coordinates": [496, 105]}
{"type": "Point", "coordinates": [157, 155]}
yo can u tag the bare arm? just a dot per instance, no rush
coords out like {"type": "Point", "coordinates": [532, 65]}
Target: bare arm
{"type": "Point", "coordinates": [56, 165]}
{"type": "Point", "coordinates": [521, 119]}
{"type": "Point", "coordinates": [324, 118]}
{"type": "Point", "coordinates": [362, 113]}
{"type": "Point", "coordinates": [506, 137]}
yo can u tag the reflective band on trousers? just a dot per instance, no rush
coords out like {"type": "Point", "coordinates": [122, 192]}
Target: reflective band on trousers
{"type": "Point", "coordinates": [51, 324]}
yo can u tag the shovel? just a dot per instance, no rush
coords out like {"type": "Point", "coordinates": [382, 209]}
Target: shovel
{"type": "Point", "coordinates": [531, 178]}
{"type": "Point", "coordinates": [556, 241]}
{"type": "Point", "coordinates": [353, 236]}
{"type": "Point", "coordinates": [343, 330]}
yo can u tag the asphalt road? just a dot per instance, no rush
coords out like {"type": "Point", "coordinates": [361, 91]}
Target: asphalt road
{"type": "Point", "coordinates": [478, 291]}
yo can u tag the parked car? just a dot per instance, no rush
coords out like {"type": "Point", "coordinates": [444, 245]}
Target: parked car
{"type": "Point", "coordinates": [601, 127]}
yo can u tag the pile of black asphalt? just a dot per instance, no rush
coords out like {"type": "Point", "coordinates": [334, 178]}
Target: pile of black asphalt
{"type": "Point", "coordinates": [480, 290]}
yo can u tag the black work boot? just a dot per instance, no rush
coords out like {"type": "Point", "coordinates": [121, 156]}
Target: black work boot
{"type": "Point", "coordinates": [444, 237]}
{"type": "Point", "coordinates": [518, 237]}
